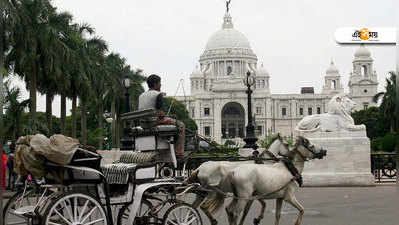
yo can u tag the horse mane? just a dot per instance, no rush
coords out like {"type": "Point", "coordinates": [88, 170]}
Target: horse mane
{"type": "Point", "coordinates": [298, 141]}
{"type": "Point", "coordinates": [275, 137]}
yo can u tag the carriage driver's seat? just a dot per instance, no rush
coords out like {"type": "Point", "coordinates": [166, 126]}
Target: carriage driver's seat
{"type": "Point", "coordinates": [153, 146]}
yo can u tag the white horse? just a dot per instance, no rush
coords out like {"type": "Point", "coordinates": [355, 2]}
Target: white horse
{"type": "Point", "coordinates": [213, 175]}
{"type": "Point", "coordinates": [261, 182]}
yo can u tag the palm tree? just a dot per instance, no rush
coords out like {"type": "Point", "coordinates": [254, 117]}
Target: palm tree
{"type": "Point", "coordinates": [51, 60]}
{"type": "Point", "coordinates": [98, 77]}
{"type": "Point", "coordinates": [30, 40]}
{"type": "Point", "coordinates": [388, 100]}
{"type": "Point", "coordinates": [14, 111]}
{"type": "Point", "coordinates": [77, 70]}
{"type": "Point", "coordinates": [115, 65]}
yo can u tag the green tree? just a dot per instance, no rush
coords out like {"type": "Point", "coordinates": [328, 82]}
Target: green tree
{"type": "Point", "coordinates": [14, 111]}
{"type": "Point", "coordinates": [52, 58]}
{"type": "Point", "coordinates": [388, 100]}
{"type": "Point", "coordinates": [115, 99]}
{"type": "Point", "coordinates": [377, 124]}
{"type": "Point", "coordinates": [30, 41]}
{"type": "Point", "coordinates": [178, 110]}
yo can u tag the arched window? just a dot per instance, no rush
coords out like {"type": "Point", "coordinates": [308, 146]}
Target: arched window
{"type": "Point", "coordinates": [364, 70]}
{"type": "Point", "coordinates": [229, 70]}
{"type": "Point", "coordinates": [334, 84]}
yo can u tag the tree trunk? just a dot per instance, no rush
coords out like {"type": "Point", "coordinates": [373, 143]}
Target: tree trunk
{"type": "Point", "coordinates": [113, 126]}
{"type": "Point", "coordinates": [100, 124]}
{"type": "Point", "coordinates": [119, 131]}
{"type": "Point", "coordinates": [32, 96]}
{"type": "Point", "coordinates": [74, 102]}
{"type": "Point", "coordinates": [63, 114]}
{"type": "Point", "coordinates": [83, 122]}
{"type": "Point", "coordinates": [49, 113]}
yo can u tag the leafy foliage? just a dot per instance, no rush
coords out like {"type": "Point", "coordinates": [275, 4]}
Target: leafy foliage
{"type": "Point", "coordinates": [386, 143]}
{"type": "Point", "coordinates": [179, 112]}
{"type": "Point", "coordinates": [55, 56]}
{"type": "Point", "coordinates": [265, 142]}
{"type": "Point", "coordinates": [377, 124]}
{"type": "Point", "coordinates": [388, 101]}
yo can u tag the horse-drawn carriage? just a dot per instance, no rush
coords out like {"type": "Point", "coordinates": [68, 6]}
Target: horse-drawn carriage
{"type": "Point", "coordinates": [142, 187]}
{"type": "Point", "coordinates": [139, 188]}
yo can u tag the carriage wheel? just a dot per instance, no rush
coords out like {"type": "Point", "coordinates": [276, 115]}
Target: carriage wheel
{"type": "Point", "coordinates": [389, 168]}
{"type": "Point", "coordinates": [182, 214]}
{"type": "Point", "coordinates": [18, 210]}
{"type": "Point", "coordinates": [142, 216]}
{"type": "Point", "coordinates": [75, 208]}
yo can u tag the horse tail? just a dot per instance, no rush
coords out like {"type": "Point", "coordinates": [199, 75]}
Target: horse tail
{"type": "Point", "coordinates": [213, 203]}
{"type": "Point", "coordinates": [193, 178]}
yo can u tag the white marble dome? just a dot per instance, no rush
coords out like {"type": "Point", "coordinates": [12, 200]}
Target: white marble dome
{"type": "Point", "coordinates": [226, 43]}
{"type": "Point", "coordinates": [227, 38]}
{"type": "Point", "coordinates": [362, 52]}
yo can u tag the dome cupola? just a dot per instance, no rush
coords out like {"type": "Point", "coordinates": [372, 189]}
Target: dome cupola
{"type": "Point", "coordinates": [332, 70]}
{"type": "Point", "coordinates": [362, 52]}
{"type": "Point", "coordinates": [196, 72]}
{"type": "Point", "coordinates": [261, 71]}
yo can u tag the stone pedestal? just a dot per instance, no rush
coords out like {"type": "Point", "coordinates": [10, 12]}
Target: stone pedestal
{"type": "Point", "coordinates": [347, 162]}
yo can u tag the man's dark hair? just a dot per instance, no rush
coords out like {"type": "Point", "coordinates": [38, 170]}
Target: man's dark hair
{"type": "Point", "coordinates": [152, 80]}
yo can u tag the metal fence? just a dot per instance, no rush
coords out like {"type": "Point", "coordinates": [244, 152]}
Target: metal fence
{"type": "Point", "coordinates": [383, 166]}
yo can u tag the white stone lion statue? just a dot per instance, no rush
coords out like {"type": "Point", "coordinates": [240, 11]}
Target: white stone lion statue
{"type": "Point", "coordinates": [338, 117]}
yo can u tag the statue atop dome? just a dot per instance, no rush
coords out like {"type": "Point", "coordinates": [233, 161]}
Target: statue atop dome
{"type": "Point", "coordinates": [228, 6]}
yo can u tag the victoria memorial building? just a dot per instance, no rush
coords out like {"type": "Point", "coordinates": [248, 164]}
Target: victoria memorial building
{"type": "Point", "coordinates": [218, 102]}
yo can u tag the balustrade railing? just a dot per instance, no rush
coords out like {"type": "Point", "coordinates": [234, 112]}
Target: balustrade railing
{"type": "Point", "coordinates": [383, 166]}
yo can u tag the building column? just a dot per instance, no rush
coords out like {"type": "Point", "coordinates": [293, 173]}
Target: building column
{"type": "Point", "coordinates": [217, 118]}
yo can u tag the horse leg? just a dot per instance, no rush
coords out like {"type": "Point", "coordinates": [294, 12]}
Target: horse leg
{"type": "Point", "coordinates": [279, 203]}
{"type": "Point", "coordinates": [229, 210]}
{"type": "Point", "coordinates": [262, 212]}
{"type": "Point", "coordinates": [292, 200]}
{"type": "Point", "coordinates": [246, 210]}
{"type": "Point", "coordinates": [234, 209]}
{"type": "Point", "coordinates": [210, 217]}
{"type": "Point", "coordinates": [197, 202]}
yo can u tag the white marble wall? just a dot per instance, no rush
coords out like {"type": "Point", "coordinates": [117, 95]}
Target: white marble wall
{"type": "Point", "coordinates": [347, 162]}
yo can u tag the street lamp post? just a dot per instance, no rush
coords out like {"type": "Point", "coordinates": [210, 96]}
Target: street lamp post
{"type": "Point", "coordinates": [126, 84]}
{"type": "Point", "coordinates": [250, 139]}
{"type": "Point", "coordinates": [109, 121]}
{"type": "Point", "coordinates": [127, 141]}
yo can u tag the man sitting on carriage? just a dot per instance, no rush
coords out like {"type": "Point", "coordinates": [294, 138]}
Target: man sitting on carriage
{"type": "Point", "coordinates": [153, 99]}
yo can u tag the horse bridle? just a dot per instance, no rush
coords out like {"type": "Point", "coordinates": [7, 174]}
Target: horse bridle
{"type": "Point", "coordinates": [285, 145]}
{"type": "Point", "coordinates": [306, 146]}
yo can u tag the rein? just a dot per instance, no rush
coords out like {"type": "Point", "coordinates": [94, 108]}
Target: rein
{"type": "Point", "coordinates": [256, 197]}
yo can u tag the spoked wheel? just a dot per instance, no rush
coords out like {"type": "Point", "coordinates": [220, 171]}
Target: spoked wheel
{"type": "Point", "coordinates": [76, 209]}
{"type": "Point", "coordinates": [142, 217]}
{"type": "Point", "coordinates": [182, 214]}
{"type": "Point", "coordinates": [389, 168]}
{"type": "Point", "coordinates": [21, 207]}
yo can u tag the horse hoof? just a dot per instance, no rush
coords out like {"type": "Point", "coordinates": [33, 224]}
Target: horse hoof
{"type": "Point", "coordinates": [256, 221]}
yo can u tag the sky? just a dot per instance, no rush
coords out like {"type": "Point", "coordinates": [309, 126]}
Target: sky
{"type": "Point", "coordinates": [294, 39]}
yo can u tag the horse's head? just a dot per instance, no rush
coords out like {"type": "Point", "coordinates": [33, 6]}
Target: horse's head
{"type": "Point", "coordinates": [277, 146]}
{"type": "Point", "coordinates": [308, 150]}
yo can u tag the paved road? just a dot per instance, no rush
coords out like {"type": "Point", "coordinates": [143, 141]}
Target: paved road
{"type": "Point", "coordinates": [335, 206]}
